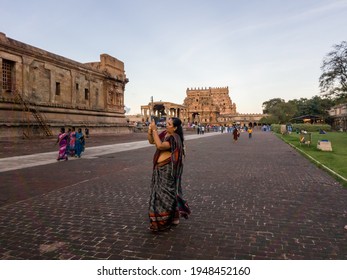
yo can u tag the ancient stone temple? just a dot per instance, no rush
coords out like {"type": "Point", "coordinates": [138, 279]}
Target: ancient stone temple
{"type": "Point", "coordinates": [206, 105]}
{"type": "Point", "coordinates": [211, 106]}
{"type": "Point", "coordinates": [41, 92]}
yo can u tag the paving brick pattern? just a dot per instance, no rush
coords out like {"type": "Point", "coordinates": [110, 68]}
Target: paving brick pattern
{"type": "Point", "coordinates": [254, 199]}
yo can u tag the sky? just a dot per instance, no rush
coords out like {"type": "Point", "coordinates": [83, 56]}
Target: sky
{"type": "Point", "coordinates": [258, 49]}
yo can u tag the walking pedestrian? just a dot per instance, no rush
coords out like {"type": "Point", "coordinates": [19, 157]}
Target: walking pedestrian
{"type": "Point", "coordinates": [235, 134]}
{"type": "Point", "coordinates": [79, 143]}
{"type": "Point", "coordinates": [202, 129]}
{"type": "Point", "coordinates": [72, 142]}
{"type": "Point", "coordinates": [166, 204]}
{"type": "Point", "coordinates": [63, 140]}
{"type": "Point", "coordinates": [250, 132]}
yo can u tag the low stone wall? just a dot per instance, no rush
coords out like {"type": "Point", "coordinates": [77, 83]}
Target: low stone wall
{"type": "Point", "coordinates": [17, 122]}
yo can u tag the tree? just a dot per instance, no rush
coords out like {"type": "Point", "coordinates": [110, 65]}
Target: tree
{"type": "Point", "coordinates": [279, 111]}
{"type": "Point", "coordinates": [283, 111]}
{"type": "Point", "coordinates": [316, 106]}
{"type": "Point", "coordinates": [302, 108]}
{"type": "Point", "coordinates": [267, 105]}
{"type": "Point", "coordinates": [319, 106]}
{"type": "Point", "coordinates": [333, 81]}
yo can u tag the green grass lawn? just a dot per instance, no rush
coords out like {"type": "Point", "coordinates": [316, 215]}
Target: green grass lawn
{"type": "Point", "coordinates": [335, 160]}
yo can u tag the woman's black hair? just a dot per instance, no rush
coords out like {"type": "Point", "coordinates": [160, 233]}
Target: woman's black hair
{"type": "Point", "coordinates": [179, 130]}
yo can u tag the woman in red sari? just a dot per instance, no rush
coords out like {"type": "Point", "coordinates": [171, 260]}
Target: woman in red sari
{"type": "Point", "coordinates": [63, 140]}
{"type": "Point", "coordinates": [236, 133]}
{"type": "Point", "coordinates": [166, 204]}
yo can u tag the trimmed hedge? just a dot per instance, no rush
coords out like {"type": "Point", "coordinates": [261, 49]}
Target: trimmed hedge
{"type": "Point", "coordinates": [303, 126]}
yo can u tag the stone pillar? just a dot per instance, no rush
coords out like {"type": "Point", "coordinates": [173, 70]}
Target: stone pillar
{"type": "Point", "coordinates": [52, 87]}
{"type": "Point", "coordinates": [25, 75]}
{"type": "Point", "coordinates": [147, 112]}
{"type": "Point", "coordinates": [73, 89]}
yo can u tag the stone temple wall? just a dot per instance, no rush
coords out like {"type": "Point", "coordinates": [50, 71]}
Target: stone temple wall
{"type": "Point", "coordinates": [62, 91]}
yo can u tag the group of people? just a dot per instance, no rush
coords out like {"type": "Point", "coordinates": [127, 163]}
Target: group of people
{"type": "Point", "coordinates": [236, 132]}
{"type": "Point", "coordinates": [71, 143]}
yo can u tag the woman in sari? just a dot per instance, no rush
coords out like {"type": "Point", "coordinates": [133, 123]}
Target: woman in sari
{"type": "Point", "coordinates": [72, 142]}
{"type": "Point", "coordinates": [63, 140]}
{"type": "Point", "coordinates": [235, 134]}
{"type": "Point", "coordinates": [166, 204]}
{"type": "Point", "coordinates": [79, 143]}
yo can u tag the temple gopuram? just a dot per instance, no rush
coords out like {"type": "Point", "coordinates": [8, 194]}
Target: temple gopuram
{"type": "Point", "coordinates": [211, 106]}
{"type": "Point", "coordinates": [41, 92]}
{"type": "Point", "coordinates": [206, 105]}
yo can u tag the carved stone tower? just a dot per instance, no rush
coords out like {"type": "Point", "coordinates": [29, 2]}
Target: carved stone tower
{"type": "Point", "coordinates": [205, 105]}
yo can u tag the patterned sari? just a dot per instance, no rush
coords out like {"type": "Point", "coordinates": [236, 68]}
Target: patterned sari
{"type": "Point", "coordinates": [166, 204]}
{"type": "Point", "coordinates": [79, 144]}
{"type": "Point", "coordinates": [63, 140]}
{"type": "Point", "coordinates": [72, 143]}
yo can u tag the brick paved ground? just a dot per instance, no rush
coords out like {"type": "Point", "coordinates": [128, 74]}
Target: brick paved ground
{"type": "Point", "coordinates": [256, 199]}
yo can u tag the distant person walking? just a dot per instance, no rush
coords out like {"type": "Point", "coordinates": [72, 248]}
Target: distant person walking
{"type": "Point", "coordinates": [62, 141]}
{"type": "Point", "coordinates": [72, 142]}
{"type": "Point", "coordinates": [87, 132]}
{"type": "Point", "coordinates": [235, 134]}
{"type": "Point", "coordinates": [79, 143]}
{"type": "Point", "coordinates": [166, 204]}
{"type": "Point", "coordinates": [250, 133]}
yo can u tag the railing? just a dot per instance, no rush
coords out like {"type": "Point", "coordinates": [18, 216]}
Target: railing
{"type": "Point", "coordinates": [31, 107]}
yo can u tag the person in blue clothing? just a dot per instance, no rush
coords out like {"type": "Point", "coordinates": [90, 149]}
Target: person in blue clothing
{"type": "Point", "coordinates": [79, 143]}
